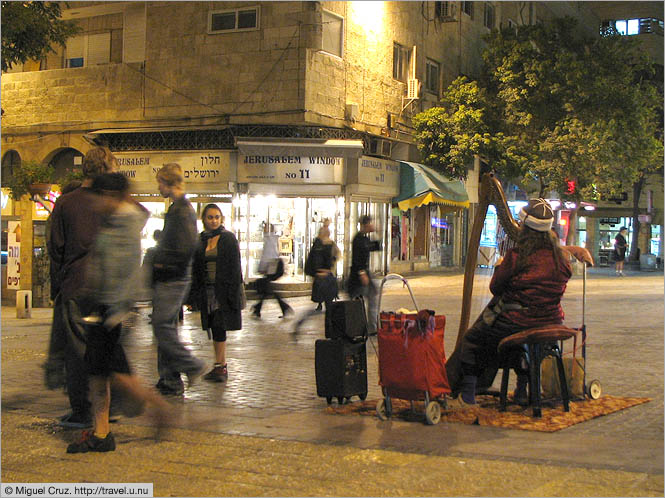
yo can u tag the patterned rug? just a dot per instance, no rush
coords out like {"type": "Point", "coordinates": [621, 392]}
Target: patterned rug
{"type": "Point", "coordinates": [515, 417]}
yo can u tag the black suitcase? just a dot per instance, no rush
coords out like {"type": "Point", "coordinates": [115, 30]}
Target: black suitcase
{"type": "Point", "coordinates": [346, 320]}
{"type": "Point", "coordinates": [341, 369]}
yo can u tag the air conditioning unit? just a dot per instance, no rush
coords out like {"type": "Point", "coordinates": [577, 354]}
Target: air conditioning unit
{"type": "Point", "coordinates": [413, 89]}
{"type": "Point", "coordinates": [379, 147]}
{"type": "Point", "coordinates": [445, 11]}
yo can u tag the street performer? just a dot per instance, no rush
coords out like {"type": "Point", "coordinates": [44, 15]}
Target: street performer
{"type": "Point", "coordinates": [527, 287]}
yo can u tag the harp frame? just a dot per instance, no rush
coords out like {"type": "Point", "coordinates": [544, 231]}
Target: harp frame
{"type": "Point", "coordinates": [489, 192]}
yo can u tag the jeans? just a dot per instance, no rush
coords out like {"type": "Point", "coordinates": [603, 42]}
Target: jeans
{"type": "Point", "coordinates": [172, 356]}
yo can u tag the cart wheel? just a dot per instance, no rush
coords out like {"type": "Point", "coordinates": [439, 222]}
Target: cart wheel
{"type": "Point", "coordinates": [362, 396]}
{"type": "Point", "coordinates": [432, 413]}
{"type": "Point", "coordinates": [594, 389]}
{"type": "Point", "coordinates": [381, 411]}
{"type": "Point", "coordinates": [329, 399]}
{"type": "Point", "coordinates": [341, 400]}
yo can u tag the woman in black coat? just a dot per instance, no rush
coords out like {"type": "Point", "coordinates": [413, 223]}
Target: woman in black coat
{"type": "Point", "coordinates": [216, 286]}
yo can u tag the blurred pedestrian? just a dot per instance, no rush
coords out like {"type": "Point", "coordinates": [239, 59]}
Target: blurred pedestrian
{"type": "Point", "coordinates": [620, 248]}
{"type": "Point", "coordinates": [216, 286]}
{"type": "Point", "coordinates": [320, 264]}
{"type": "Point", "coordinates": [74, 225]}
{"type": "Point", "coordinates": [172, 270]}
{"type": "Point", "coordinates": [272, 268]}
{"type": "Point", "coordinates": [360, 282]}
{"type": "Point", "coordinates": [112, 280]}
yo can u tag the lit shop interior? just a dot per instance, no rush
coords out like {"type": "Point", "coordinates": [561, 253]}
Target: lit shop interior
{"type": "Point", "coordinates": [296, 221]}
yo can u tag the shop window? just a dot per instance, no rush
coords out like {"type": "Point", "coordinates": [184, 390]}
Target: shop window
{"type": "Point", "coordinates": [432, 76]}
{"type": "Point", "coordinates": [224, 21]}
{"type": "Point", "coordinates": [333, 33]}
{"type": "Point", "coordinates": [401, 62]}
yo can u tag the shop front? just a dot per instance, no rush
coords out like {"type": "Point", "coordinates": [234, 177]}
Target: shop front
{"type": "Point", "coordinates": [294, 188]}
{"type": "Point", "coordinates": [209, 178]}
{"type": "Point", "coordinates": [428, 220]}
{"type": "Point", "coordinates": [371, 184]}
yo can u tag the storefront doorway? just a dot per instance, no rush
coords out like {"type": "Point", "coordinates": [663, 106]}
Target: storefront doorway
{"type": "Point", "coordinates": [296, 220]}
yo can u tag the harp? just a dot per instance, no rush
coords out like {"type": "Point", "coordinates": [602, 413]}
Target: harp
{"type": "Point", "coordinates": [490, 192]}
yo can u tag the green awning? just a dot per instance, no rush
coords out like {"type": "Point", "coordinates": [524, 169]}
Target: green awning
{"type": "Point", "coordinates": [420, 185]}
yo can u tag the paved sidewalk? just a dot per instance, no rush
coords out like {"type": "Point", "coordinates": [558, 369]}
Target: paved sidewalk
{"type": "Point", "coordinates": [266, 433]}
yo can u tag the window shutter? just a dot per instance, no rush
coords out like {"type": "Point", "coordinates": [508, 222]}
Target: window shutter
{"type": "Point", "coordinates": [332, 34]}
{"type": "Point", "coordinates": [75, 46]}
{"type": "Point", "coordinates": [133, 32]}
{"type": "Point", "coordinates": [99, 49]}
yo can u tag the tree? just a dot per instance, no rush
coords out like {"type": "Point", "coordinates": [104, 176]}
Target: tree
{"type": "Point", "coordinates": [563, 112]}
{"type": "Point", "coordinates": [30, 29]}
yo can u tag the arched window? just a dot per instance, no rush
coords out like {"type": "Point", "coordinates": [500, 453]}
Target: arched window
{"type": "Point", "coordinates": [10, 162]}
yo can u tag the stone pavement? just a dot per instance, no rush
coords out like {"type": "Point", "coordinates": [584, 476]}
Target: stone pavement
{"type": "Point", "coordinates": [266, 433]}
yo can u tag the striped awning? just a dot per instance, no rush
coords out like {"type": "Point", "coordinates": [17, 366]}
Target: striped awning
{"type": "Point", "coordinates": [421, 185]}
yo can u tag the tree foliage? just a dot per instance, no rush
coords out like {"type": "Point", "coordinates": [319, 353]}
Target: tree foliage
{"type": "Point", "coordinates": [551, 107]}
{"type": "Point", "coordinates": [30, 29]}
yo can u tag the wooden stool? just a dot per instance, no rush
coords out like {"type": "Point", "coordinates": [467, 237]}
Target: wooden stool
{"type": "Point", "coordinates": [540, 342]}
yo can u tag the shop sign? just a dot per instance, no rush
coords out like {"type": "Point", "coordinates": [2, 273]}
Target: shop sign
{"type": "Point", "coordinates": [199, 167]}
{"type": "Point", "coordinates": [609, 221]}
{"type": "Point", "coordinates": [289, 169]}
{"type": "Point", "coordinates": [13, 254]}
{"type": "Point", "coordinates": [7, 203]}
{"type": "Point", "coordinates": [374, 171]}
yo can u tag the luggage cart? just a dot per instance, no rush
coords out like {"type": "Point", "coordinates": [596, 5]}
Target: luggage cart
{"type": "Point", "coordinates": [593, 389]}
{"type": "Point", "coordinates": [411, 358]}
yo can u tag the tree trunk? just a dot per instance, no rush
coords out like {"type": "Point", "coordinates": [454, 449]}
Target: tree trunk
{"type": "Point", "coordinates": [571, 239]}
{"type": "Point", "coordinates": [637, 192]}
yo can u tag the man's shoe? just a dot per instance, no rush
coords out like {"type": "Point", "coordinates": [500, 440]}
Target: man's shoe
{"type": "Point", "coordinates": [75, 421]}
{"type": "Point", "coordinates": [217, 374]}
{"type": "Point", "coordinates": [90, 442]}
{"type": "Point", "coordinates": [169, 389]}
{"type": "Point", "coordinates": [287, 312]}
{"type": "Point", "coordinates": [193, 375]}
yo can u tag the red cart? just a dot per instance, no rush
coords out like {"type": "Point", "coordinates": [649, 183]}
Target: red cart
{"type": "Point", "coordinates": [412, 363]}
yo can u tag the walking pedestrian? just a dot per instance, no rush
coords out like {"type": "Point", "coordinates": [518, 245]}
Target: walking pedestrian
{"type": "Point", "coordinates": [216, 286]}
{"type": "Point", "coordinates": [112, 280]}
{"type": "Point", "coordinates": [360, 282]}
{"type": "Point", "coordinates": [272, 268]}
{"type": "Point", "coordinates": [172, 270]}
{"type": "Point", "coordinates": [320, 264]}
{"type": "Point", "coordinates": [74, 225]}
{"type": "Point", "coordinates": [620, 248]}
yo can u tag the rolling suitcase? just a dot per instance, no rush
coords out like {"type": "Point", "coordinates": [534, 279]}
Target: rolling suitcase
{"type": "Point", "coordinates": [341, 369]}
{"type": "Point", "coordinates": [346, 320]}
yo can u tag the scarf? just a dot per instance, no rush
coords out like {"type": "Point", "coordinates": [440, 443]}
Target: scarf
{"type": "Point", "coordinates": [209, 234]}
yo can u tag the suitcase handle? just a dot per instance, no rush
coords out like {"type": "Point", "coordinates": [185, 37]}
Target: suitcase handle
{"type": "Point", "coordinates": [393, 276]}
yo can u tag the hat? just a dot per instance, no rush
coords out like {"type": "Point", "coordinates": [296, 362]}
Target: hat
{"type": "Point", "coordinates": [537, 215]}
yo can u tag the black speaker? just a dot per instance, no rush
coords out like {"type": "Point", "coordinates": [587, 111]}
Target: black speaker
{"type": "Point", "coordinates": [346, 320]}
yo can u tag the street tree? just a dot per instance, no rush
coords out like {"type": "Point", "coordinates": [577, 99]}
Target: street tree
{"type": "Point", "coordinates": [553, 111]}
{"type": "Point", "coordinates": [31, 29]}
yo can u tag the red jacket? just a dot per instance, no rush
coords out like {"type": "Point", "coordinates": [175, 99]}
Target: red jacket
{"type": "Point", "coordinates": [538, 289]}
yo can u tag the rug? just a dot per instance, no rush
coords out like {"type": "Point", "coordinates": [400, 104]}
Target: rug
{"type": "Point", "coordinates": [515, 417]}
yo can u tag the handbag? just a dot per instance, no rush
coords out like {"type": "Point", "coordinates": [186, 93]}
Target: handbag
{"type": "Point", "coordinates": [549, 377]}
{"type": "Point", "coordinates": [324, 289]}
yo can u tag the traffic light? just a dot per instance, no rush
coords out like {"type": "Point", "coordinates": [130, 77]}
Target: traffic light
{"type": "Point", "coordinates": [572, 186]}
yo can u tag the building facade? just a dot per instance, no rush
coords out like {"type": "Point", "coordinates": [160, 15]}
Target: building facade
{"type": "Point", "coordinates": [287, 113]}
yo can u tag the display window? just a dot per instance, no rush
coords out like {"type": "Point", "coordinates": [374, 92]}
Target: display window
{"type": "Point", "coordinates": [295, 220]}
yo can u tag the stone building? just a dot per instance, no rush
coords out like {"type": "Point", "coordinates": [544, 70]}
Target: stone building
{"type": "Point", "coordinates": [287, 113]}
